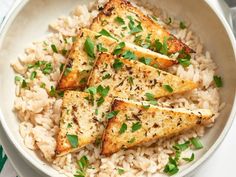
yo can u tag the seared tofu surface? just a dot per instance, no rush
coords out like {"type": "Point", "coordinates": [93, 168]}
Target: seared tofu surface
{"type": "Point", "coordinates": [136, 123]}
{"type": "Point", "coordinates": [121, 19]}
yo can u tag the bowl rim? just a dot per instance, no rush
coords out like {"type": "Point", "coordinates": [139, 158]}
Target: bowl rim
{"type": "Point", "coordinates": [4, 26]}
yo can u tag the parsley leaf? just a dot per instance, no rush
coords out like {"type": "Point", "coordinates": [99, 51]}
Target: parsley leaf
{"type": "Point", "coordinates": [100, 48]}
{"type": "Point", "coordinates": [100, 101]}
{"type": "Point", "coordinates": [118, 64]}
{"type": "Point", "coordinates": [123, 128]}
{"type": "Point", "coordinates": [168, 88]}
{"type": "Point", "coordinates": [107, 76]}
{"type": "Point", "coordinates": [131, 80]}
{"type": "Point", "coordinates": [184, 62]}
{"type": "Point", "coordinates": [118, 48]}
{"type": "Point", "coordinates": [218, 81]}
{"type": "Point", "coordinates": [145, 61]}
{"type": "Point", "coordinates": [73, 140]}
{"type": "Point", "coordinates": [119, 20]}
{"type": "Point", "coordinates": [129, 55]}
{"type": "Point", "coordinates": [24, 84]}
{"type": "Point", "coordinates": [103, 91]}
{"type": "Point", "coordinates": [107, 34]}
{"type": "Point", "coordinates": [120, 171]}
{"type": "Point", "coordinates": [181, 147]}
{"type": "Point", "coordinates": [164, 49]}
{"type": "Point", "coordinates": [151, 98]}
{"type": "Point", "coordinates": [132, 27]}
{"type": "Point", "coordinates": [171, 167]}
{"type": "Point", "coordinates": [33, 75]}
{"type": "Point", "coordinates": [111, 114]}
{"type": "Point", "coordinates": [196, 143]}
{"type": "Point", "coordinates": [189, 159]}
{"type": "Point", "coordinates": [54, 48]}
{"type": "Point", "coordinates": [131, 140]}
{"type": "Point", "coordinates": [47, 69]}
{"type": "Point", "coordinates": [182, 25]}
{"type": "Point", "coordinates": [89, 47]}
{"type": "Point", "coordinates": [136, 126]}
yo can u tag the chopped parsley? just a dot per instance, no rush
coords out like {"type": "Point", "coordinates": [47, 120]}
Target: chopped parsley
{"type": "Point", "coordinates": [145, 61]}
{"type": "Point", "coordinates": [131, 140]}
{"type": "Point", "coordinates": [133, 28]}
{"type": "Point", "coordinates": [100, 101]}
{"type": "Point", "coordinates": [218, 81]}
{"type": "Point", "coordinates": [89, 47]}
{"type": "Point", "coordinates": [185, 62]}
{"type": "Point", "coordinates": [67, 71]}
{"type": "Point", "coordinates": [158, 45]}
{"type": "Point", "coordinates": [91, 90]}
{"type": "Point", "coordinates": [17, 78]}
{"type": "Point", "coordinates": [171, 167]}
{"type": "Point", "coordinates": [151, 98]}
{"type": "Point", "coordinates": [168, 88]}
{"type": "Point", "coordinates": [196, 143]}
{"type": "Point", "coordinates": [64, 52]}
{"type": "Point", "coordinates": [164, 48]}
{"type": "Point", "coordinates": [138, 40]}
{"type": "Point", "coordinates": [24, 84]}
{"type": "Point", "coordinates": [169, 21]}
{"type": "Point", "coordinates": [182, 25]}
{"type": "Point", "coordinates": [33, 75]}
{"type": "Point", "coordinates": [103, 91]}
{"type": "Point", "coordinates": [189, 159]}
{"type": "Point", "coordinates": [123, 128]}
{"type": "Point", "coordinates": [131, 80]}
{"type": "Point", "coordinates": [47, 69]}
{"type": "Point", "coordinates": [111, 114]}
{"type": "Point", "coordinates": [119, 20]}
{"type": "Point", "coordinates": [52, 91]}
{"type": "Point", "coordinates": [83, 164]}
{"type": "Point", "coordinates": [181, 147]}
{"type": "Point", "coordinates": [118, 48]}
{"type": "Point", "coordinates": [129, 55]}
{"type": "Point", "coordinates": [136, 126]}
{"type": "Point", "coordinates": [73, 140]}
{"type": "Point", "coordinates": [118, 64]}
{"type": "Point", "coordinates": [43, 85]}
{"type": "Point", "coordinates": [83, 80]}
{"type": "Point", "coordinates": [107, 76]}
{"type": "Point", "coordinates": [62, 67]}
{"type": "Point", "coordinates": [54, 48]}
{"type": "Point", "coordinates": [107, 34]}
{"type": "Point", "coordinates": [145, 106]}
{"type": "Point", "coordinates": [100, 48]}
{"type": "Point", "coordinates": [69, 125]}
{"type": "Point", "coordinates": [120, 171]}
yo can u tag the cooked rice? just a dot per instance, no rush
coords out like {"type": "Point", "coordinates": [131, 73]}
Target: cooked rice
{"type": "Point", "coordinates": [39, 112]}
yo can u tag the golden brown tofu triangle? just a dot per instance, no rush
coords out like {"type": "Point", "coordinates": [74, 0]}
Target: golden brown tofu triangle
{"type": "Point", "coordinates": [81, 63]}
{"type": "Point", "coordinates": [134, 80]}
{"type": "Point", "coordinates": [137, 123]}
{"type": "Point", "coordinates": [128, 23]}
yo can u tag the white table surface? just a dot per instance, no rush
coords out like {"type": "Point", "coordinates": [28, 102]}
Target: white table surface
{"type": "Point", "coordinates": [221, 164]}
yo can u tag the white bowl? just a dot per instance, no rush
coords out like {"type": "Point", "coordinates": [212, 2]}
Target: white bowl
{"type": "Point", "coordinates": [29, 22]}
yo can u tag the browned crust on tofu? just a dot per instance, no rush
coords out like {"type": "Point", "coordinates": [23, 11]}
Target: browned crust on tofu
{"type": "Point", "coordinates": [174, 123]}
{"type": "Point", "coordinates": [149, 25]}
{"type": "Point", "coordinates": [105, 59]}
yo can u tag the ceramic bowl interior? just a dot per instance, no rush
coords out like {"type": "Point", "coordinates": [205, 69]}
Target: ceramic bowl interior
{"type": "Point", "coordinates": [29, 22]}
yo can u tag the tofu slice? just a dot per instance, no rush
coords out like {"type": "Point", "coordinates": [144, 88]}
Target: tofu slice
{"type": "Point", "coordinates": [116, 19]}
{"type": "Point", "coordinates": [134, 79]}
{"type": "Point", "coordinates": [134, 124]}
{"type": "Point", "coordinates": [81, 64]}
{"type": "Point", "coordinates": [81, 119]}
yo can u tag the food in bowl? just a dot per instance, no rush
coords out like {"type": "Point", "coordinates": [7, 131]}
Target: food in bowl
{"type": "Point", "coordinates": [188, 86]}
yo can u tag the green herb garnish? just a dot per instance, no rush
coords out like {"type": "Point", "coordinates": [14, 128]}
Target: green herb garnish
{"type": "Point", "coordinates": [218, 81]}
{"type": "Point", "coordinates": [47, 69]}
{"type": "Point", "coordinates": [118, 48]}
{"type": "Point", "coordinates": [182, 25]}
{"type": "Point", "coordinates": [83, 164]}
{"type": "Point", "coordinates": [123, 128]}
{"type": "Point", "coordinates": [196, 143]}
{"type": "Point", "coordinates": [54, 48]}
{"type": "Point", "coordinates": [17, 78]}
{"type": "Point", "coordinates": [111, 114]}
{"type": "Point", "coordinates": [145, 61]}
{"type": "Point", "coordinates": [169, 21]}
{"type": "Point", "coordinates": [164, 48]}
{"type": "Point", "coordinates": [118, 64]}
{"type": "Point", "coordinates": [89, 47]}
{"type": "Point", "coordinates": [184, 62]}
{"type": "Point", "coordinates": [73, 140]}
{"type": "Point", "coordinates": [33, 75]}
{"type": "Point", "coordinates": [151, 98]}
{"type": "Point", "coordinates": [181, 147]}
{"type": "Point", "coordinates": [107, 34]}
{"type": "Point", "coordinates": [107, 76]}
{"type": "Point", "coordinates": [168, 88]}
{"type": "Point", "coordinates": [129, 55]}
{"type": "Point", "coordinates": [52, 91]}
{"type": "Point", "coordinates": [189, 159]}
{"type": "Point", "coordinates": [100, 48]}
{"type": "Point", "coordinates": [171, 167]}
{"type": "Point", "coordinates": [120, 171]}
{"type": "Point", "coordinates": [103, 91]}
{"type": "Point", "coordinates": [131, 80]}
{"type": "Point", "coordinates": [119, 20]}
{"type": "Point", "coordinates": [136, 126]}
{"type": "Point", "coordinates": [131, 140]}
{"type": "Point", "coordinates": [23, 84]}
